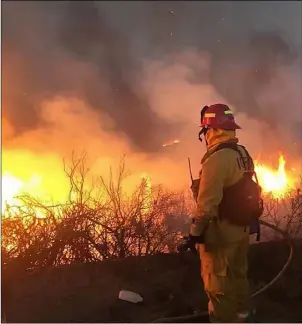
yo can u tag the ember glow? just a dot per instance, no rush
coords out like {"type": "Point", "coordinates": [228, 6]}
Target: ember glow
{"type": "Point", "coordinates": [171, 143]}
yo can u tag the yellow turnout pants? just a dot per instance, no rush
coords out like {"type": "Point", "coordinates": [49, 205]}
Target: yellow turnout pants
{"type": "Point", "coordinates": [224, 274]}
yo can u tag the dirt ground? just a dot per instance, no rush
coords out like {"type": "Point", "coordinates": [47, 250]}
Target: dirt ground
{"type": "Point", "coordinates": [169, 283]}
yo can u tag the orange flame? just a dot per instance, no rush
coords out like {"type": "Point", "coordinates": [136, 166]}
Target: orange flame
{"type": "Point", "coordinates": [146, 194]}
{"type": "Point", "coordinates": [275, 182]}
{"type": "Point", "coordinates": [11, 187]}
{"type": "Point", "coordinates": [25, 172]}
{"type": "Point", "coordinates": [44, 178]}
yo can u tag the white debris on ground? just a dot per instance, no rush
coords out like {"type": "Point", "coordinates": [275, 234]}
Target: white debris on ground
{"type": "Point", "coordinates": [130, 296]}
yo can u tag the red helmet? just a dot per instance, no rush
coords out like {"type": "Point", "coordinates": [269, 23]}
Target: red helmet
{"type": "Point", "coordinates": [218, 116]}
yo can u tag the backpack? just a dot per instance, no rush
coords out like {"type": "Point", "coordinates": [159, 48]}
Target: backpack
{"type": "Point", "coordinates": [242, 203]}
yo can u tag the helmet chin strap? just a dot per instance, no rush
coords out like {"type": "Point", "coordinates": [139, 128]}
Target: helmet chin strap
{"type": "Point", "coordinates": [203, 132]}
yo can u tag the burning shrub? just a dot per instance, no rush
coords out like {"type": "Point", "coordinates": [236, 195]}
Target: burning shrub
{"type": "Point", "coordinates": [96, 223]}
{"type": "Point", "coordinates": [101, 221]}
{"type": "Point", "coordinates": [286, 211]}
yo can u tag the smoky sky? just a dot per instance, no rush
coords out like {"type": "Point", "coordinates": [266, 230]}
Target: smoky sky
{"type": "Point", "coordinates": [113, 37]}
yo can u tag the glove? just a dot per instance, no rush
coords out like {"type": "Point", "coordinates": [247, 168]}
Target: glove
{"type": "Point", "coordinates": [198, 229]}
{"type": "Point", "coordinates": [189, 243]}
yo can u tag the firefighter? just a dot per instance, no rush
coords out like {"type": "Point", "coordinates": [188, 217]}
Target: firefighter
{"type": "Point", "coordinates": [223, 244]}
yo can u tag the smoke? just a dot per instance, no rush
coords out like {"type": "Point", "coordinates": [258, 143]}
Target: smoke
{"type": "Point", "coordinates": [83, 33]}
{"type": "Point", "coordinates": [126, 77]}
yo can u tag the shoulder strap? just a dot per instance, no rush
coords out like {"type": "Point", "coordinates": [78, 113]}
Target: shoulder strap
{"type": "Point", "coordinates": [221, 146]}
{"type": "Point", "coordinates": [218, 148]}
{"type": "Point", "coordinates": [249, 165]}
